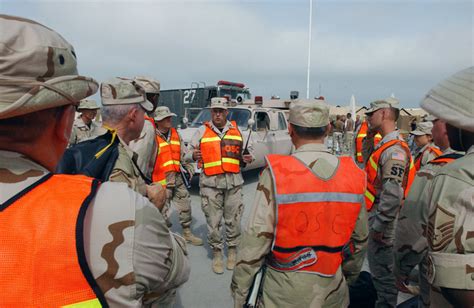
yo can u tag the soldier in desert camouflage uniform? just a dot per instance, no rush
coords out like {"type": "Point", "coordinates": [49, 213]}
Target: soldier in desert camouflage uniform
{"type": "Point", "coordinates": [120, 227]}
{"type": "Point", "coordinates": [410, 239]}
{"type": "Point", "coordinates": [295, 288]}
{"type": "Point", "coordinates": [84, 126]}
{"type": "Point", "coordinates": [145, 145]}
{"type": "Point", "coordinates": [424, 141]}
{"type": "Point", "coordinates": [389, 173]}
{"type": "Point", "coordinates": [177, 193]}
{"type": "Point", "coordinates": [447, 227]}
{"type": "Point", "coordinates": [221, 192]}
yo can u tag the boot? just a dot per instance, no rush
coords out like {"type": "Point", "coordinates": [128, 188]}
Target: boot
{"type": "Point", "coordinates": [217, 262]}
{"type": "Point", "coordinates": [231, 258]}
{"type": "Point", "coordinates": [191, 238]}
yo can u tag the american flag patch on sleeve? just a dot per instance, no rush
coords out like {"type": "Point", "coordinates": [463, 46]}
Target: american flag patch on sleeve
{"type": "Point", "coordinates": [398, 156]}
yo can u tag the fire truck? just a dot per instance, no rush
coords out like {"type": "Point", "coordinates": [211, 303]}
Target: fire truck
{"type": "Point", "coordinates": [188, 102]}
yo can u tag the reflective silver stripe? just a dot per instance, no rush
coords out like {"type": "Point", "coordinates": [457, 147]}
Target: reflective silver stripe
{"type": "Point", "coordinates": [319, 197]}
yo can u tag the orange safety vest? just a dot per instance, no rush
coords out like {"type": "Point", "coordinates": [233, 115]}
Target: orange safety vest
{"type": "Point", "coordinates": [315, 217]}
{"type": "Point", "coordinates": [373, 165]}
{"type": "Point", "coordinates": [437, 152]}
{"type": "Point", "coordinates": [43, 262]}
{"type": "Point", "coordinates": [168, 158]}
{"type": "Point", "coordinates": [445, 159]}
{"type": "Point", "coordinates": [221, 155]}
{"type": "Point", "coordinates": [361, 134]}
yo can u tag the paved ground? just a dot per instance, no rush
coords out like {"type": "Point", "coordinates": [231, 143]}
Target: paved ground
{"type": "Point", "coordinates": [204, 288]}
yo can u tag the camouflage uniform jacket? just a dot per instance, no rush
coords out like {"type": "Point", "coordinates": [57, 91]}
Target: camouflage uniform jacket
{"type": "Point", "coordinates": [221, 181]}
{"type": "Point", "coordinates": [145, 147]}
{"type": "Point", "coordinates": [123, 229]}
{"type": "Point", "coordinates": [293, 289]}
{"type": "Point", "coordinates": [125, 170]}
{"type": "Point", "coordinates": [171, 176]}
{"type": "Point", "coordinates": [411, 243]}
{"type": "Point", "coordinates": [450, 230]}
{"type": "Point", "coordinates": [427, 156]}
{"type": "Point", "coordinates": [393, 163]}
{"type": "Point", "coordinates": [81, 131]}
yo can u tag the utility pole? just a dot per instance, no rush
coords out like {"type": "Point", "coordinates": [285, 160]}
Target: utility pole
{"type": "Point", "coordinates": [309, 46]}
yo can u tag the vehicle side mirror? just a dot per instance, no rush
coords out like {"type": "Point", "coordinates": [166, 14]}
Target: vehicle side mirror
{"type": "Point", "coordinates": [251, 122]}
{"type": "Point", "coordinates": [185, 120]}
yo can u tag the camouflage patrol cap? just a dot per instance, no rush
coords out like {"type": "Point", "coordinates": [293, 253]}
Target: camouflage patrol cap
{"type": "Point", "coordinates": [121, 91]}
{"type": "Point", "coordinates": [309, 113]}
{"type": "Point", "coordinates": [38, 69]}
{"type": "Point", "coordinates": [452, 100]}
{"type": "Point", "coordinates": [87, 104]}
{"type": "Point", "coordinates": [219, 102]}
{"type": "Point", "coordinates": [423, 128]}
{"type": "Point", "coordinates": [163, 112]}
{"type": "Point", "coordinates": [383, 103]}
{"type": "Point", "coordinates": [149, 84]}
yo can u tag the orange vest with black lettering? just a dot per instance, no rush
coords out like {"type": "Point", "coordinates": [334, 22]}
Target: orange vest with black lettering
{"type": "Point", "coordinates": [43, 262]}
{"type": "Point", "coordinates": [437, 152]}
{"type": "Point", "coordinates": [221, 155]}
{"type": "Point", "coordinates": [315, 217]}
{"type": "Point", "coordinates": [168, 158]}
{"type": "Point", "coordinates": [373, 164]}
{"type": "Point", "coordinates": [361, 134]}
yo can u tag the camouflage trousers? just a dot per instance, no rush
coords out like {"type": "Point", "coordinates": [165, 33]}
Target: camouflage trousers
{"type": "Point", "coordinates": [337, 142]}
{"type": "Point", "coordinates": [380, 257]}
{"type": "Point", "coordinates": [220, 203]}
{"type": "Point", "coordinates": [348, 143]}
{"type": "Point", "coordinates": [179, 196]}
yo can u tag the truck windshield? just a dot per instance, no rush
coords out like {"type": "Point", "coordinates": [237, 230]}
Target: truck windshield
{"type": "Point", "coordinates": [241, 116]}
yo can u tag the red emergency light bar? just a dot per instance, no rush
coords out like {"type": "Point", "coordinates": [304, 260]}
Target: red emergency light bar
{"type": "Point", "coordinates": [229, 83]}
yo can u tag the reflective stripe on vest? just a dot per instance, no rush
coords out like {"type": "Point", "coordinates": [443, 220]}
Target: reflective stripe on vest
{"type": "Point", "coordinates": [43, 256]}
{"type": "Point", "coordinates": [315, 217]}
{"type": "Point", "coordinates": [372, 167]}
{"type": "Point", "coordinates": [168, 157]}
{"type": "Point", "coordinates": [419, 157]}
{"type": "Point", "coordinates": [221, 155]}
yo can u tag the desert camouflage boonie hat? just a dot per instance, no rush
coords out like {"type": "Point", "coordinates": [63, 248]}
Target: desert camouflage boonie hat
{"type": "Point", "coordinates": [452, 100]}
{"type": "Point", "coordinates": [87, 104]}
{"type": "Point", "coordinates": [149, 84]}
{"type": "Point", "coordinates": [219, 102]}
{"type": "Point", "coordinates": [163, 112]}
{"type": "Point", "coordinates": [38, 69]}
{"type": "Point", "coordinates": [430, 118]}
{"type": "Point", "coordinates": [309, 113]}
{"type": "Point", "coordinates": [383, 103]}
{"type": "Point", "coordinates": [423, 128]}
{"type": "Point", "coordinates": [121, 91]}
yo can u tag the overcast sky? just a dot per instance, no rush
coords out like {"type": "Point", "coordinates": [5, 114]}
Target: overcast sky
{"type": "Point", "coordinates": [367, 48]}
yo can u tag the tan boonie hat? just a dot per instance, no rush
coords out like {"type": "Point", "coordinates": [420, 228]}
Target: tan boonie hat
{"type": "Point", "coordinates": [120, 91]}
{"type": "Point", "coordinates": [163, 112]}
{"type": "Point", "coordinates": [219, 102]}
{"type": "Point", "coordinates": [87, 104]}
{"type": "Point", "coordinates": [452, 100]}
{"type": "Point", "coordinates": [423, 128]}
{"type": "Point", "coordinates": [309, 113]}
{"type": "Point", "coordinates": [38, 69]}
{"type": "Point", "coordinates": [149, 84]}
{"type": "Point", "coordinates": [383, 103]}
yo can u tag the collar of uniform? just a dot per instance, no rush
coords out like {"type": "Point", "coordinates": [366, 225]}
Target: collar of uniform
{"type": "Point", "coordinates": [227, 126]}
{"type": "Point", "coordinates": [167, 138]}
{"type": "Point", "coordinates": [312, 147]}
{"type": "Point", "coordinates": [130, 152]}
{"type": "Point", "coordinates": [17, 164]}
{"type": "Point", "coordinates": [390, 136]}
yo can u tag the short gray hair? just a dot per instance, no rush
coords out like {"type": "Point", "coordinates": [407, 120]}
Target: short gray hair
{"type": "Point", "coordinates": [115, 113]}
